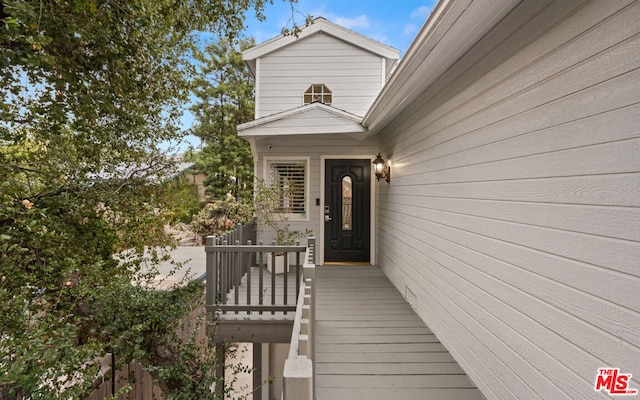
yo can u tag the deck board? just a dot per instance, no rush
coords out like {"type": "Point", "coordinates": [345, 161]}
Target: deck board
{"type": "Point", "coordinates": [371, 345]}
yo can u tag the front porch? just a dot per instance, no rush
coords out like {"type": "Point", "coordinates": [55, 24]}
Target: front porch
{"type": "Point", "coordinates": [351, 334]}
{"type": "Point", "coordinates": [370, 344]}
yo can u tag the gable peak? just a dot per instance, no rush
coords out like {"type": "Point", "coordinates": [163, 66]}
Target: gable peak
{"type": "Point", "coordinates": [319, 25]}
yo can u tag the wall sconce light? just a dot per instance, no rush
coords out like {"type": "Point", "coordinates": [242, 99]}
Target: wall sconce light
{"type": "Point", "coordinates": [382, 170]}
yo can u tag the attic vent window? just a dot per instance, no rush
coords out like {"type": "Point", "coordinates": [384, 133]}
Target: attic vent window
{"type": "Point", "coordinates": [317, 93]}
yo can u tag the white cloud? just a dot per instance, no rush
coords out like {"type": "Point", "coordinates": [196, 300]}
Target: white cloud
{"type": "Point", "coordinates": [409, 30]}
{"type": "Point", "coordinates": [421, 12]}
{"type": "Point", "coordinates": [360, 21]}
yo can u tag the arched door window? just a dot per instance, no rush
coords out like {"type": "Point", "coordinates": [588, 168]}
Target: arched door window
{"type": "Point", "coordinates": [347, 203]}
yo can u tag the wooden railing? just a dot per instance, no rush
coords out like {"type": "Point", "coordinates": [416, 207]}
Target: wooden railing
{"type": "Point", "coordinates": [299, 371]}
{"type": "Point", "coordinates": [237, 281]}
{"type": "Point", "coordinates": [243, 233]}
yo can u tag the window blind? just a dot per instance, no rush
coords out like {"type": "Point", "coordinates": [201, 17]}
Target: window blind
{"type": "Point", "coordinates": [289, 177]}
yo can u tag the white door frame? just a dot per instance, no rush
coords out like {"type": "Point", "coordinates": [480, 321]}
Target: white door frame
{"type": "Point", "coordinates": [372, 227]}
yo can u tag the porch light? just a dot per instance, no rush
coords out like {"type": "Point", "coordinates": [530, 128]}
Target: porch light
{"type": "Point", "coordinates": [382, 170]}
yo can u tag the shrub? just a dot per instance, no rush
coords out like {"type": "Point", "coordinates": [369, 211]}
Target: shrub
{"type": "Point", "coordinates": [221, 216]}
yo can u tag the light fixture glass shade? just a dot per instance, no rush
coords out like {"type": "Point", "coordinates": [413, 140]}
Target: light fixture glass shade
{"type": "Point", "coordinates": [381, 170]}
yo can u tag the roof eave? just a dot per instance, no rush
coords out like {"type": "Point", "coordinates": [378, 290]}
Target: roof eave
{"type": "Point", "coordinates": [251, 65]}
{"type": "Point", "coordinates": [257, 128]}
{"type": "Point", "coordinates": [450, 31]}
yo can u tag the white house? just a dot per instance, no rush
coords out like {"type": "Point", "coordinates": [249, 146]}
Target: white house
{"type": "Point", "coordinates": [511, 221]}
{"type": "Point", "coordinates": [312, 93]}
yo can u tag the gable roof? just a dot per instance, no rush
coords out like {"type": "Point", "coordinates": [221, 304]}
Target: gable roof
{"type": "Point", "coordinates": [319, 25]}
{"type": "Point", "coordinates": [296, 122]}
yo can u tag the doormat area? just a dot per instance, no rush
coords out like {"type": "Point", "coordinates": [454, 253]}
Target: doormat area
{"type": "Point", "coordinates": [346, 264]}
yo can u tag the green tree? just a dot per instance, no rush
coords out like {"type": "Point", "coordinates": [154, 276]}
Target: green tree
{"type": "Point", "coordinates": [90, 90]}
{"type": "Point", "coordinates": [225, 92]}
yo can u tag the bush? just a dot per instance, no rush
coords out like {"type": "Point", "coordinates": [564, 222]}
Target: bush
{"type": "Point", "coordinates": [221, 216]}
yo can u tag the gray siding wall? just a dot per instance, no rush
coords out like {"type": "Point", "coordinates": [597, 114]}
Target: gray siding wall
{"type": "Point", "coordinates": [314, 147]}
{"type": "Point", "coordinates": [512, 220]}
{"type": "Point", "coordinates": [354, 76]}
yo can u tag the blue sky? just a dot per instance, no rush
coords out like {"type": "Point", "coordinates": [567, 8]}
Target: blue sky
{"type": "Point", "coordinates": [394, 23]}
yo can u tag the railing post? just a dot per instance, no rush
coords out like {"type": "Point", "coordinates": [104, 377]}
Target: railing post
{"type": "Point", "coordinates": [298, 379]}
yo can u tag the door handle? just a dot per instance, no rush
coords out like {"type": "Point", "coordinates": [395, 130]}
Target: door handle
{"type": "Point", "coordinates": [327, 218]}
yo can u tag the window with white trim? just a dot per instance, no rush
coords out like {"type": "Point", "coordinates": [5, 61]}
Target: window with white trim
{"type": "Point", "coordinates": [289, 177]}
{"type": "Point", "coordinates": [318, 92]}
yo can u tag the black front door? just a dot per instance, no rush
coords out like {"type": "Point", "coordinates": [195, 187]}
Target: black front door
{"type": "Point", "coordinates": [347, 210]}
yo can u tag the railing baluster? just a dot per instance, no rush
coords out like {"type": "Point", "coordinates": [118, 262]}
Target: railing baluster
{"type": "Point", "coordinates": [297, 269]}
{"type": "Point", "coordinates": [236, 275]}
{"type": "Point", "coordinates": [285, 287]}
{"type": "Point", "coordinates": [273, 277]}
{"type": "Point", "coordinates": [248, 271]}
{"type": "Point", "coordinates": [242, 240]}
{"type": "Point", "coordinates": [225, 274]}
{"type": "Point", "coordinates": [221, 271]}
{"type": "Point", "coordinates": [218, 275]}
{"type": "Point", "coordinates": [261, 278]}
{"type": "Point", "coordinates": [227, 263]}
{"type": "Point", "coordinates": [229, 269]}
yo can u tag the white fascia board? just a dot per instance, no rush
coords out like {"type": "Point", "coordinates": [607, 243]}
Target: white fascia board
{"type": "Point", "coordinates": [451, 30]}
{"type": "Point", "coordinates": [273, 125]}
{"type": "Point", "coordinates": [260, 132]}
{"type": "Point", "coordinates": [299, 110]}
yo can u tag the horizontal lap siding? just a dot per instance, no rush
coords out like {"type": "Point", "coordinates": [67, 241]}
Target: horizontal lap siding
{"type": "Point", "coordinates": [312, 146]}
{"type": "Point", "coordinates": [353, 75]}
{"type": "Point", "coordinates": [513, 212]}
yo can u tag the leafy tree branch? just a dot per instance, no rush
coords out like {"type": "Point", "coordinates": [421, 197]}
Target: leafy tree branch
{"type": "Point", "coordinates": [90, 91]}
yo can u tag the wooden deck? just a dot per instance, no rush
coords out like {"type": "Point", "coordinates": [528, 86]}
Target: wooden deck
{"type": "Point", "coordinates": [371, 345]}
{"type": "Point", "coordinates": [259, 326]}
